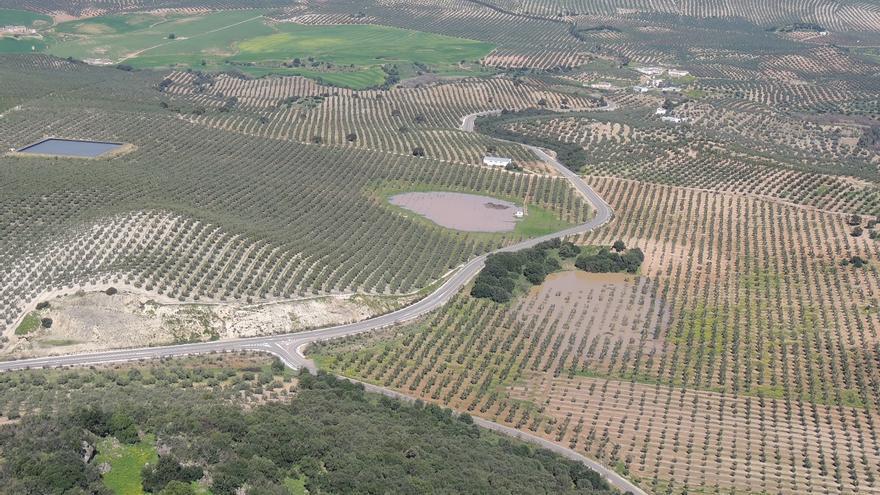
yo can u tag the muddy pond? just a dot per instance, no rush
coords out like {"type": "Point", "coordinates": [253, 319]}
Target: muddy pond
{"type": "Point", "coordinates": [460, 211]}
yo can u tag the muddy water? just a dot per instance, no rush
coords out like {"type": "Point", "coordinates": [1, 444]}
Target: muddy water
{"type": "Point", "coordinates": [617, 306]}
{"type": "Point", "coordinates": [578, 281]}
{"type": "Point", "coordinates": [459, 211]}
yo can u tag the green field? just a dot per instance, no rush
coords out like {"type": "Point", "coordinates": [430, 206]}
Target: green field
{"type": "Point", "coordinates": [24, 45]}
{"type": "Point", "coordinates": [110, 24]}
{"type": "Point", "coordinates": [9, 44]}
{"type": "Point", "coordinates": [23, 18]}
{"type": "Point", "coordinates": [341, 55]}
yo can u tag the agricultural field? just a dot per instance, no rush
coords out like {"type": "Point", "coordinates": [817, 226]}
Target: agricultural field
{"type": "Point", "coordinates": [202, 231]}
{"type": "Point", "coordinates": [742, 321]}
{"type": "Point", "coordinates": [354, 56]}
{"type": "Point", "coordinates": [291, 166]}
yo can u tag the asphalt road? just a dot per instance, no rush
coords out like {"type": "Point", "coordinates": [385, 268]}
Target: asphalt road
{"type": "Point", "coordinates": [290, 347]}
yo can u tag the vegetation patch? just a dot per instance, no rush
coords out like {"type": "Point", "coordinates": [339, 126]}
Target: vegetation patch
{"type": "Point", "coordinates": [354, 56]}
{"type": "Point", "coordinates": [611, 260]}
{"type": "Point", "coordinates": [329, 437]}
{"type": "Point", "coordinates": [12, 17]}
{"type": "Point", "coordinates": [30, 323]}
{"type": "Point", "coordinates": [126, 462]}
{"type": "Point", "coordinates": [504, 272]}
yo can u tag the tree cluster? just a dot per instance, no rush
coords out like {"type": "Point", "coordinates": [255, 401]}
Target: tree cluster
{"type": "Point", "coordinates": [331, 435]}
{"type": "Point", "coordinates": [497, 281]}
{"type": "Point", "coordinates": [611, 261]}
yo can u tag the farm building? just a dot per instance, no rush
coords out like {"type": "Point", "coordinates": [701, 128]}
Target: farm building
{"type": "Point", "coordinates": [13, 30]}
{"type": "Point", "coordinates": [496, 161]}
{"type": "Point", "coordinates": [651, 71]}
{"type": "Point", "coordinates": [641, 89]}
{"type": "Point", "coordinates": [674, 120]}
{"type": "Point", "coordinates": [660, 111]}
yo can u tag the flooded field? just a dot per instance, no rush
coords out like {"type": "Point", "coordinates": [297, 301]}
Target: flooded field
{"type": "Point", "coordinates": [459, 211]}
{"type": "Point", "coordinates": [602, 308]}
{"type": "Point", "coordinates": [71, 147]}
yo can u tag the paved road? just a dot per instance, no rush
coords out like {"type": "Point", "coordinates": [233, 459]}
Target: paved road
{"type": "Point", "coordinates": [290, 347]}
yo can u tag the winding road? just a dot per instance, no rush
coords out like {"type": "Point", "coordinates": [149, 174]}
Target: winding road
{"type": "Point", "coordinates": [290, 348]}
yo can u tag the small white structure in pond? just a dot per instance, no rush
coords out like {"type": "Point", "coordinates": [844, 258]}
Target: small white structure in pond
{"type": "Point", "coordinates": [678, 73]}
{"type": "Point", "coordinates": [519, 213]}
{"type": "Point", "coordinates": [496, 161]}
{"type": "Point", "coordinates": [660, 111]}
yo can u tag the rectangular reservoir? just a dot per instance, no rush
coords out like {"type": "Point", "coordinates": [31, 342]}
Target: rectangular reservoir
{"type": "Point", "coordinates": [70, 147]}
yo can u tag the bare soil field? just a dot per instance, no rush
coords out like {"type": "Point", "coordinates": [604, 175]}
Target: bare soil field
{"type": "Point", "coordinates": [94, 321]}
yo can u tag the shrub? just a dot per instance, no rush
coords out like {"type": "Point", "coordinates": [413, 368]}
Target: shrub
{"type": "Point", "coordinates": [168, 469]}
{"type": "Point", "coordinates": [569, 250]}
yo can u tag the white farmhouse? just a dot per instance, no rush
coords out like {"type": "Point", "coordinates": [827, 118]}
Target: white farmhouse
{"type": "Point", "coordinates": [602, 85]}
{"type": "Point", "coordinates": [641, 89]}
{"type": "Point", "coordinates": [660, 111]}
{"type": "Point", "coordinates": [496, 161]}
{"type": "Point", "coordinates": [674, 120]}
{"type": "Point", "coordinates": [650, 71]}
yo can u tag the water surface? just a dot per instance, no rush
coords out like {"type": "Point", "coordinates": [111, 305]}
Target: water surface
{"type": "Point", "coordinates": [70, 147]}
{"type": "Point", "coordinates": [460, 211]}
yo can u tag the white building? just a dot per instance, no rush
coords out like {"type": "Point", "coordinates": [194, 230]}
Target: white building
{"type": "Point", "coordinates": [641, 89]}
{"type": "Point", "coordinates": [519, 213]}
{"type": "Point", "coordinates": [660, 111]}
{"type": "Point", "coordinates": [602, 85]}
{"type": "Point", "coordinates": [674, 120]}
{"type": "Point", "coordinates": [678, 73]}
{"type": "Point", "coordinates": [13, 30]}
{"type": "Point", "coordinates": [496, 161]}
{"type": "Point", "coordinates": [651, 71]}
